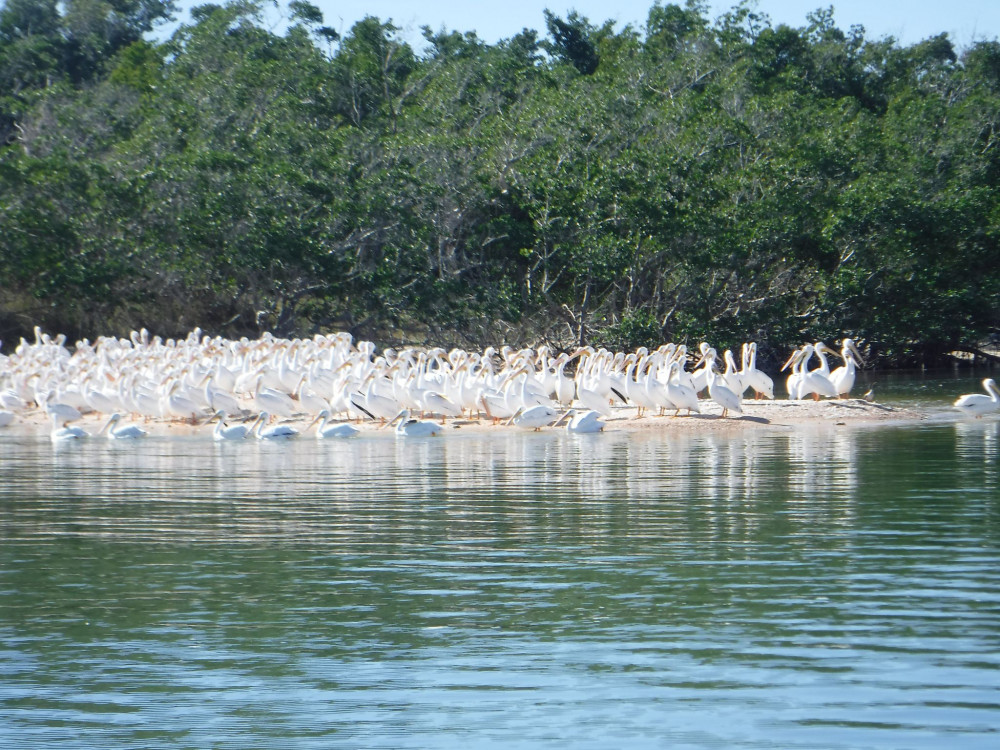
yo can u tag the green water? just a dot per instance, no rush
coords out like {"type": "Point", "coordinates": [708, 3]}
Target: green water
{"type": "Point", "coordinates": [829, 588]}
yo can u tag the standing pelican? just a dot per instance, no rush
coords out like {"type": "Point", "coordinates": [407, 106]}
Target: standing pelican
{"type": "Point", "coordinates": [976, 404]}
{"type": "Point", "coordinates": [756, 379]}
{"type": "Point", "coordinates": [843, 377]}
{"type": "Point", "coordinates": [723, 396]}
{"type": "Point", "coordinates": [683, 396]}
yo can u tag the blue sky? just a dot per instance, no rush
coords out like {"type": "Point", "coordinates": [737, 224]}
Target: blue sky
{"type": "Point", "coordinates": [909, 21]}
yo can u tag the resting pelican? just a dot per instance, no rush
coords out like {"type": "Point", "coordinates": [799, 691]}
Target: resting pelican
{"type": "Point", "coordinates": [587, 421]}
{"type": "Point", "coordinates": [60, 433]}
{"type": "Point", "coordinates": [223, 431]}
{"type": "Point", "coordinates": [976, 404]}
{"type": "Point", "coordinates": [534, 417]}
{"type": "Point", "coordinates": [843, 377]}
{"type": "Point", "coordinates": [415, 427]}
{"type": "Point", "coordinates": [125, 432]}
{"type": "Point", "coordinates": [331, 431]}
{"type": "Point", "coordinates": [277, 432]}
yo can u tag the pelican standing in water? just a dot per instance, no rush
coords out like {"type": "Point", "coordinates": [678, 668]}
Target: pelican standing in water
{"type": "Point", "coordinates": [976, 404]}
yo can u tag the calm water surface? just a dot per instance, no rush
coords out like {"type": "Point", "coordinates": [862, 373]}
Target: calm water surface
{"type": "Point", "coordinates": [827, 588]}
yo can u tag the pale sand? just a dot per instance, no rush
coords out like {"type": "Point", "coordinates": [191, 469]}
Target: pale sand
{"type": "Point", "coordinates": [757, 415]}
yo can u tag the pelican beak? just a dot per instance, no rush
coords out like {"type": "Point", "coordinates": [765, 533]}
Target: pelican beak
{"type": "Point", "coordinates": [563, 417]}
{"type": "Point", "coordinates": [857, 353]}
{"type": "Point", "coordinates": [393, 420]}
{"type": "Point", "coordinates": [792, 360]}
{"type": "Point", "coordinates": [511, 420]}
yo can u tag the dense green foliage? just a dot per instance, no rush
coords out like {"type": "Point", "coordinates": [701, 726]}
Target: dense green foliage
{"type": "Point", "coordinates": [692, 179]}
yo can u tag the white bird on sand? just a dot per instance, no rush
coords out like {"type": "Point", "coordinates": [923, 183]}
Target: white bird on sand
{"type": "Point", "coordinates": [61, 413]}
{"type": "Point", "coordinates": [683, 396]}
{"type": "Point", "coordinates": [331, 431]}
{"type": "Point", "coordinates": [534, 417]}
{"type": "Point", "coordinates": [124, 432]}
{"type": "Point", "coordinates": [723, 396]}
{"type": "Point", "coordinates": [271, 401]}
{"type": "Point", "coordinates": [415, 427]}
{"type": "Point", "coordinates": [843, 376]}
{"type": "Point", "coordinates": [976, 404]}
{"type": "Point", "coordinates": [756, 379]}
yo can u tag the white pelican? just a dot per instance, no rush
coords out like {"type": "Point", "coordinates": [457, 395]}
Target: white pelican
{"type": "Point", "coordinates": [223, 431]}
{"type": "Point", "coordinates": [803, 381]}
{"type": "Point", "coordinates": [438, 403]}
{"type": "Point", "coordinates": [843, 376]}
{"type": "Point", "coordinates": [683, 396]}
{"type": "Point", "coordinates": [794, 379]}
{"type": "Point", "coordinates": [309, 400]}
{"type": "Point", "coordinates": [277, 432]}
{"type": "Point", "coordinates": [756, 379]}
{"type": "Point", "coordinates": [174, 405]}
{"type": "Point", "coordinates": [976, 404]}
{"type": "Point", "coordinates": [60, 434]}
{"type": "Point", "coordinates": [701, 374]}
{"type": "Point", "coordinates": [731, 378]}
{"type": "Point", "coordinates": [818, 382]}
{"type": "Point", "coordinates": [220, 399]}
{"type": "Point", "coordinates": [581, 422]}
{"type": "Point", "coordinates": [10, 399]}
{"type": "Point", "coordinates": [723, 396]}
{"type": "Point", "coordinates": [534, 417]}
{"type": "Point", "coordinates": [125, 432]}
{"type": "Point", "coordinates": [331, 431]}
{"type": "Point", "coordinates": [271, 401]}
{"type": "Point", "coordinates": [61, 413]}
{"type": "Point", "coordinates": [415, 427]}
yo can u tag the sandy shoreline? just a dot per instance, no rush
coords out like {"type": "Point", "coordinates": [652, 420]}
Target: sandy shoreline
{"type": "Point", "coordinates": [778, 415]}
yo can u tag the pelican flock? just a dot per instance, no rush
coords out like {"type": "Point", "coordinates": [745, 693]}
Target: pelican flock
{"type": "Point", "coordinates": [335, 381]}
